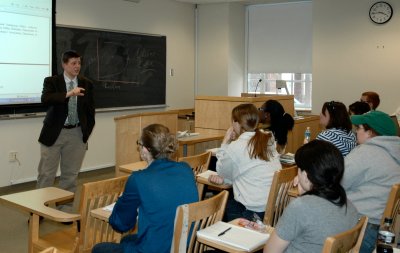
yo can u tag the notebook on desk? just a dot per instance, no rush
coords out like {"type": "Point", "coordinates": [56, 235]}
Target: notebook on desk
{"type": "Point", "coordinates": [239, 237]}
{"type": "Point", "coordinates": [206, 174]}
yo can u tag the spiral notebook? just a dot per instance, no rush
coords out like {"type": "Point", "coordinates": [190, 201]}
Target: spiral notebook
{"type": "Point", "coordinates": [239, 237]}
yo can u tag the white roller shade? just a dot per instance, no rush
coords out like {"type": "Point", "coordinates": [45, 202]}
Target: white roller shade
{"type": "Point", "coordinates": [280, 38]}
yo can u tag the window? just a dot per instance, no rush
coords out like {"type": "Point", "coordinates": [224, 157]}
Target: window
{"type": "Point", "coordinates": [279, 47]}
{"type": "Point", "coordinates": [298, 84]}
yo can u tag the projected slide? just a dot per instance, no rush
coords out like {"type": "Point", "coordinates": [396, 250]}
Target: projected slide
{"type": "Point", "coordinates": [25, 51]}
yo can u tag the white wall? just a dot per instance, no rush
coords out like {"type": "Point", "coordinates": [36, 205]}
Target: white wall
{"type": "Point", "coordinates": [351, 54]}
{"type": "Point", "coordinates": [236, 66]}
{"type": "Point", "coordinates": [166, 17]}
{"type": "Point", "coordinates": [220, 49]}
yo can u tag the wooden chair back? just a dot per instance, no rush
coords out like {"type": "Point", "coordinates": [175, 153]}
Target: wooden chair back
{"type": "Point", "coordinates": [278, 197]}
{"type": "Point", "coordinates": [95, 195]}
{"type": "Point", "coordinates": [392, 204]}
{"type": "Point", "coordinates": [195, 216]}
{"type": "Point", "coordinates": [348, 241]}
{"type": "Point", "coordinates": [198, 163]}
{"type": "Point", "coordinates": [88, 231]}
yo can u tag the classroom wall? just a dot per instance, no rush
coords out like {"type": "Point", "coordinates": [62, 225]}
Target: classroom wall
{"type": "Point", "coordinates": [167, 17]}
{"type": "Point", "coordinates": [351, 54]}
{"type": "Point", "coordinates": [220, 49]}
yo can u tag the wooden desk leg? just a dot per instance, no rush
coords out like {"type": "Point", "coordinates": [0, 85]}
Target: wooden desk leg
{"type": "Point", "coordinates": [33, 231]}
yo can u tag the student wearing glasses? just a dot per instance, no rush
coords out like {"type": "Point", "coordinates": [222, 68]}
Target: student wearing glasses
{"type": "Point", "coordinates": [247, 159]}
{"type": "Point", "coordinates": [338, 130]}
{"type": "Point", "coordinates": [371, 169]}
{"type": "Point", "coordinates": [321, 210]}
{"type": "Point", "coordinates": [151, 196]}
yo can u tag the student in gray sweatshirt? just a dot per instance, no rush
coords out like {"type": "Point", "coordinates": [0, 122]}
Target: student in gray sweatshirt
{"type": "Point", "coordinates": [371, 169]}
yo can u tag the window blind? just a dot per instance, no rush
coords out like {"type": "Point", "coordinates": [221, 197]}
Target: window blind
{"type": "Point", "coordinates": [280, 38]}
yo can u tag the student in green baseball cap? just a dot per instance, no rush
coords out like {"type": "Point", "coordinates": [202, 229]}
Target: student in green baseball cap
{"type": "Point", "coordinates": [371, 169]}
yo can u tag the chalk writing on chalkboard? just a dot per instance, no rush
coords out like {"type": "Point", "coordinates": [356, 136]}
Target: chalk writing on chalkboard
{"type": "Point", "coordinates": [127, 69]}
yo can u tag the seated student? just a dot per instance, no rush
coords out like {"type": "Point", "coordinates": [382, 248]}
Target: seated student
{"type": "Point", "coordinates": [371, 98]}
{"type": "Point", "coordinates": [322, 209]}
{"type": "Point", "coordinates": [335, 119]}
{"type": "Point", "coordinates": [358, 108]}
{"type": "Point", "coordinates": [280, 122]}
{"type": "Point", "coordinates": [151, 196]}
{"type": "Point", "coordinates": [247, 159]}
{"type": "Point", "coordinates": [371, 169]}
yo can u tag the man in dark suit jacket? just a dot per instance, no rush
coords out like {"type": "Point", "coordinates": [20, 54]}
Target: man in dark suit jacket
{"type": "Point", "coordinates": [68, 124]}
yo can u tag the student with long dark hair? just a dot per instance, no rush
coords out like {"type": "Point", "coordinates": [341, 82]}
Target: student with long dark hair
{"type": "Point", "coordinates": [247, 159]}
{"type": "Point", "coordinates": [279, 122]}
{"type": "Point", "coordinates": [338, 129]}
{"type": "Point", "coordinates": [322, 209]}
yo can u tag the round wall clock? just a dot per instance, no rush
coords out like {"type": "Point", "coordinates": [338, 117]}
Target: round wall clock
{"type": "Point", "coordinates": [380, 12]}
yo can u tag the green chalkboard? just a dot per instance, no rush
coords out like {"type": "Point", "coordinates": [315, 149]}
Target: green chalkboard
{"type": "Point", "coordinates": [128, 69]}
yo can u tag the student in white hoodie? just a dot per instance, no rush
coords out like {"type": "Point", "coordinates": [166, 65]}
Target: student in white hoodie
{"type": "Point", "coordinates": [248, 160]}
{"type": "Point", "coordinates": [371, 169]}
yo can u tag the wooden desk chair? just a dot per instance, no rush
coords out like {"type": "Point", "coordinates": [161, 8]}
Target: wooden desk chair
{"type": "Point", "coordinates": [195, 216]}
{"type": "Point", "coordinates": [392, 209]}
{"type": "Point", "coordinates": [199, 164]}
{"type": "Point", "coordinates": [392, 204]}
{"type": "Point", "coordinates": [89, 230]}
{"type": "Point", "coordinates": [278, 197]}
{"type": "Point", "coordinates": [348, 241]}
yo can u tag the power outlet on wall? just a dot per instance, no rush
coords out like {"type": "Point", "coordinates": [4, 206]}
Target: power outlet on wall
{"type": "Point", "coordinates": [12, 156]}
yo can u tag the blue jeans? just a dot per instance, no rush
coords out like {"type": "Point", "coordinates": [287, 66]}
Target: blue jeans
{"type": "Point", "coordinates": [371, 235]}
{"type": "Point", "coordinates": [107, 247]}
{"type": "Point", "coordinates": [236, 210]}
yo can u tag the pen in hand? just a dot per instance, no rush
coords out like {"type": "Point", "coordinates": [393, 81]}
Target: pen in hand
{"type": "Point", "coordinates": [223, 232]}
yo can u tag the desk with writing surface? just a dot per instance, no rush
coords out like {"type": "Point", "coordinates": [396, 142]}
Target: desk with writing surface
{"type": "Point", "coordinates": [219, 187]}
{"type": "Point", "coordinates": [127, 169]}
{"type": "Point", "coordinates": [36, 203]}
{"type": "Point", "coordinates": [193, 145]}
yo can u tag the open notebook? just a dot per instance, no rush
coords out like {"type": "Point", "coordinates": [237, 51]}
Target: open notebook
{"type": "Point", "coordinates": [239, 237]}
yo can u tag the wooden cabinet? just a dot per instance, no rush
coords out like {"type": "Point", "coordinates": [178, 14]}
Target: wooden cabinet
{"type": "Point", "coordinates": [213, 116]}
{"type": "Point", "coordinates": [296, 136]}
{"type": "Point", "coordinates": [213, 113]}
{"type": "Point", "coordinates": [128, 130]}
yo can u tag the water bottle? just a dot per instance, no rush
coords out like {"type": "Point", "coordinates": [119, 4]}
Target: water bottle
{"type": "Point", "coordinates": [307, 135]}
{"type": "Point", "coordinates": [386, 236]}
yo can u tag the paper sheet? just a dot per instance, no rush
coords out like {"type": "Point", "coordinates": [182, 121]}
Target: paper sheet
{"type": "Point", "coordinates": [109, 207]}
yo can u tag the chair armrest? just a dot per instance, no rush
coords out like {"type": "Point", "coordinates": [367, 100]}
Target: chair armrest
{"type": "Point", "coordinates": [57, 215]}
